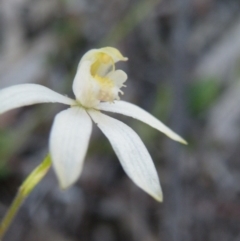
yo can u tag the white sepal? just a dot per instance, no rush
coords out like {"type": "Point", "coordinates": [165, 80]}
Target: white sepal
{"type": "Point", "coordinates": [136, 112]}
{"type": "Point", "coordinates": [132, 153]}
{"type": "Point", "coordinates": [69, 141]}
{"type": "Point", "coordinates": [29, 94]}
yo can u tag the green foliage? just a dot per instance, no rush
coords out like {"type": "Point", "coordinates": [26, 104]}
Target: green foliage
{"type": "Point", "coordinates": [12, 140]}
{"type": "Point", "coordinates": [70, 40]}
{"type": "Point", "coordinates": [201, 94]}
{"type": "Point", "coordinates": [134, 16]}
{"type": "Point", "coordinates": [100, 145]}
{"type": "Point", "coordinates": [162, 102]}
{"type": "Point", "coordinates": [5, 144]}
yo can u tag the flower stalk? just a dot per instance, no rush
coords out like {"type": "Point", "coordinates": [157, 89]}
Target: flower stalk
{"type": "Point", "coordinates": [25, 189]}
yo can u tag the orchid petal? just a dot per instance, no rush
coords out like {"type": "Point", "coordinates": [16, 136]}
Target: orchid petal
{"type": "Point", "coordinates": [29, 94]}
{"type": "Point", "coordinates": [69, 140]}
{"type": "Point", "coordinates": [136, 112]}
{"type": "Point", "coordinates": [118, 77]}
{"type": "Point", "coordinates": [132, 153]}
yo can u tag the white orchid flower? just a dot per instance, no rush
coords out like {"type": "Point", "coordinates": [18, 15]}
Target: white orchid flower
{"type": "Point", "coordinates": [96, 86]}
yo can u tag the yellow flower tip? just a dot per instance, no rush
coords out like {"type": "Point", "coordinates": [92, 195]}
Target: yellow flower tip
{"type": "Point", "coordinates": [183, 142]}
{"type": "Point", "coordinates": [113, 53]}
{"type": "Point", "coordinates": [177, 138]}
{"type": "Point", "coordinates": [63, 187]}
{"type": "Point", "coordinates": [158, 198]}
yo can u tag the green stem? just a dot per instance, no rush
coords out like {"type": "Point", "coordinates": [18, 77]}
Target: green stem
{"type": "Point", "coordinates": [25, 189]}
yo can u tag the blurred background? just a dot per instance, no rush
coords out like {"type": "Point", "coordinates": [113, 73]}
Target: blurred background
{"type": "Point", "coordinates": [184, 68]}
